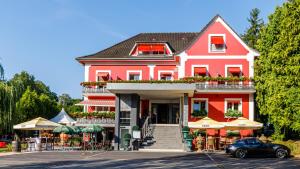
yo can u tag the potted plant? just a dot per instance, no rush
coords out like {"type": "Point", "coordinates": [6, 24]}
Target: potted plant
{"type": "Point", "coordinates": [231, 113]}
{"type": "Point", "coordinates": [127, 138]}
{"type": "Point", "coordinates": [185, 131]}
{"type": "Point", "coordinates": [189, 140]}
{"type": "Point", "coordinates": [199, 113]}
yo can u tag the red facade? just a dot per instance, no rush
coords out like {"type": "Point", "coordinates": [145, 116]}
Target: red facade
{"type": "Point", "coordinates": [217, 51]}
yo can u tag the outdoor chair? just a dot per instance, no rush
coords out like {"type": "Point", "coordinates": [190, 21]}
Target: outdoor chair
{"type": "Point", "coordinates": [211, 143]}
{"type": "Point", "coordinates": [222, 142]}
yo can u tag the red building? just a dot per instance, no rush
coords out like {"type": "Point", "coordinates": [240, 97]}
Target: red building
{"type": "Point", "coordinates": [172, 78]}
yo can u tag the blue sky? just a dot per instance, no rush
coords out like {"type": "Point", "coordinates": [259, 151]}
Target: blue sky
{"type": "Point", "coordinates": [44, 37]}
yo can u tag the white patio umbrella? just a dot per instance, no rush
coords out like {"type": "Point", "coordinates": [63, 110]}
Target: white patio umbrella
{"type": "Point", "coordinates": [206, 123]}
{"type": "Point", "coordinates": [36, 124]}
{"type": "Point", "coordinates": [63, 118]}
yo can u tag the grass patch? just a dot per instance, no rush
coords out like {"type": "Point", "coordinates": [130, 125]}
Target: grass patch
{"type": "Point", "coordinates": [3, 150]}
{"type": "Point", "coordinates": [293, 145]}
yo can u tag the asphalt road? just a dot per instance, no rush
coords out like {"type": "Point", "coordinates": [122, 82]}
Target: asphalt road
{"type": "Point", "coordinates": [58, 160]}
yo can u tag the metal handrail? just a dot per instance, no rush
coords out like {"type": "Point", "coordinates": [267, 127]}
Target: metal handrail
{"type": "Point", "coordinates": [95, 90]}
{"type": "Point", "coordinates": [145, 128]}
{"type": "Point", "coordinates": [228, 85]}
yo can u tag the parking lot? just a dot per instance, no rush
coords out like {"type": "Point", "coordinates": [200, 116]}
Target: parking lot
{"type": "Point", "coordinates": [117, 159]}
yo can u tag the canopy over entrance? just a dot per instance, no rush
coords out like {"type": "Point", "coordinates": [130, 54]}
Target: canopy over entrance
{"type": "Point", "coordinates": [63, 118]}
{"type": "Point", "coordinates": [37, 124]}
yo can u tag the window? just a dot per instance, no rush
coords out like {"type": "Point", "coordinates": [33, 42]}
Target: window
{"type": "Point", "coordinates": [102, 76]}
{"type": "Point", "coordinates": [217, 43]}
{"type": "Point", "coordinates": [166, 76]}
{"type": "Point", "coordinates": [151, 49]}
{"type": "Point", "coordinates": [199, 107]}
{"type": "Point", "coordinates": [124, 118]}
{"type": "Point", "coordinates": [134, 75]}
{"type": "Point", "coordinates": [101, 108]}
{"type": "Point", "coordinates": [234, 71]}
{"type": "Point", "coordinates": [200, 71]}
{"type": "Point", "coordinates": [233, 108]}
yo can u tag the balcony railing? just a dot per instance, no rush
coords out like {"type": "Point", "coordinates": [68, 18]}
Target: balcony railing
{"type": "Point", "coordinates": [225, 86]}
{"type": "Point", "coordinates": [86, 90]}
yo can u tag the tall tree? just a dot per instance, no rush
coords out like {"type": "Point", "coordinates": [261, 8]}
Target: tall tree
{"type": "Point", "coordinates": [277, 69]}
{"type": "Point", "coordinates": [1, 72]}
{"type": "Point", "coordinates": [251, 35]}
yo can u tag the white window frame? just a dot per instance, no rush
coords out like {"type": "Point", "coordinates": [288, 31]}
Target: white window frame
{"type": "Point", "coordinates": [233, 99]}
{"type": "Point", "coordinates": [104, 71]}
{"type": "Point", "coordinates": [209, 43]}
{"type": "Point", "coordinates": [201, 99]}
{"type": "Point", "coordinates": [228, 66]}
{"type": "Point", "coordinates": [134, 71]}
{"type": "Point", "coordinates": [165, 71]}
{"type": "Point", "coordinates": [193, 71]}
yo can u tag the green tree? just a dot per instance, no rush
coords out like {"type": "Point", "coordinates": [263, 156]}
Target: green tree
{"type": "Point", "coordinates": [251, 35]}
{"type": "Point", "coordinates": [1, 72]}
{"type": "Point", "coordinates": [48, 107]}
{"type": "Point", "coordinates": [28, 106]}
{"type": "Point", "coordinates": [277, 69]}
{"type": "Point", "coordinates": [65, 100]}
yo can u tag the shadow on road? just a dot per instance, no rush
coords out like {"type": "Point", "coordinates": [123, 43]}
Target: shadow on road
{"type": "Point", "coordinates": [136, 160]}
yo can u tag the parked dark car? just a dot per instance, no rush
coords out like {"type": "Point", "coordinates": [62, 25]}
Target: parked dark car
{"type": "Point", "coordinates": [252, 146]}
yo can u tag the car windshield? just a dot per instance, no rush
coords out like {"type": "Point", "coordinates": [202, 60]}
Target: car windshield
{"type": "Point", "coordinates": [253, 141]}
{"type": "Point", "coordinates": [239, 142]}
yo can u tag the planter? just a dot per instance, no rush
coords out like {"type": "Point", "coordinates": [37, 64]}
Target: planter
{"type": "Point", "coordinates": [185, 134]}
{"type": "Point", "coordinates": [16, 146]}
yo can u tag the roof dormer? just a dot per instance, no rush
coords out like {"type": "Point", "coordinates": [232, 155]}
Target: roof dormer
{"type": "Point", "coordinates": [151, 48]}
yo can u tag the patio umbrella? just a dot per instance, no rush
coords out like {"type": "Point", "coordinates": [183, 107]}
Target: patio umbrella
{"type": "Point", "coordinates": [76, 129]}
{"type": "Point", "coordinates": [205, 123]}
{"type": "Point", "coordinates": [63, 129]}
{"type": "Point", "coordinates": [242, 123]}
{"type": "Point", "coordinates": [37, 124]}
{"type": "Point", "coordinates": [93, 128]}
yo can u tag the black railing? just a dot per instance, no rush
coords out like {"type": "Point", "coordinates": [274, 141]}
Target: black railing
{"type": "Point", "coordinates": [95, 90]}
{"type": "Point", "coordinates": [225, 85]}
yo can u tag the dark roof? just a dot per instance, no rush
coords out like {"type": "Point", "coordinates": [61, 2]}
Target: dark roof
{"type": "Point", "coordinates": [177, 42]}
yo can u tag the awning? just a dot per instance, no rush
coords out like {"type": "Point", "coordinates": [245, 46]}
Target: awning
{"type": "Point", "coordinates": [104, 103]}
{"type": "Point", "coordinates": [151, 47]}
{"type": "Point", "coordinates": [200, 70]}
{"type": "Point", "coordinates": [217, 40]}
{"type": "Point", "coordinates": [103, 74]}
{"type": "Point", "coordinates": [165, 74]}
{"type": "Point", "coordinates": [234, 69]}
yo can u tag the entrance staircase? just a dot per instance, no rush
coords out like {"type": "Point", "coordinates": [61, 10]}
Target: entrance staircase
{"type": "Point", "coordinates": [163, 137]}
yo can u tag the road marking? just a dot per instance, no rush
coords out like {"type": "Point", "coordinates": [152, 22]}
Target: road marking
{"type": "Point", "coordinates": [213, 160]}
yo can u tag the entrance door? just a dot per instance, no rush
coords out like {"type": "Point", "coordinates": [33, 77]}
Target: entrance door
{"type": "Point", "coordinates": [165, 113]}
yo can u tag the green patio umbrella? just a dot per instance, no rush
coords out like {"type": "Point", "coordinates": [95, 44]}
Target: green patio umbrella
{"type": "Point", "coordinates": [77, 129]}
{"type": "Point", "coordinates": [93, 128]}
{"type": "Point", "coordinates": [63, 129]}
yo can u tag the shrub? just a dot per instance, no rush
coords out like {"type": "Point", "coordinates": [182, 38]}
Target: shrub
{"type": "Point", "coordinates": [199, 113]}
{"type": "Point", "coordinates": [233, 134]}
{"type": "Point", "coordinates": [135, 128]}
{"type": "Point", "coordinates": [127, 136]}
{"type": "Point", "coordinates": [294, 146]}
{"type": "Point", "coordinates": [233, 113]}
{"type": "Point", "coordinates": [189, 137]}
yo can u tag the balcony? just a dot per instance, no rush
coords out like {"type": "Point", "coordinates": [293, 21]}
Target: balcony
{"type": "Point", "coordinates": [95, 91]}
{"type": "Point", "coordinates": [230, 87]}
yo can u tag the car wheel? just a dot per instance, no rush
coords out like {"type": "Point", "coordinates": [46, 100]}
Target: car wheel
{"type": "Point", "coordinates": [281, 153]}
{"type": "Point", "coordinates": [240, 153]}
